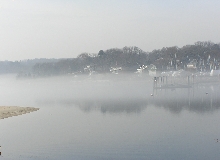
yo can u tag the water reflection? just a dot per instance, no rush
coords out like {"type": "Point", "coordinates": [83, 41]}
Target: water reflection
{"type": "Point", "coordinates": [120, 106]}
{"type": "Point", "coordinates": [202, 100]}
{"type": "Point", "coordinates": [104, 106]}
{"type": "Point", "coordinates": [192, 105]}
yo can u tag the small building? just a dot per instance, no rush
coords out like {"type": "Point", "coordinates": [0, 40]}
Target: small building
{"type": "Point", "coordinates": [191, 66]}
{"type": "Point", "coordinates": [152, 70]}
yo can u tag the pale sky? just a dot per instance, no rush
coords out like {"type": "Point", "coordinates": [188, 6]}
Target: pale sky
{"type": "Point", "coordinates": [66, 28]}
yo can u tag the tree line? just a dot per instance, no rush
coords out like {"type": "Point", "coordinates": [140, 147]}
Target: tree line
{"type": "Point", "coordinates": [204, 55]}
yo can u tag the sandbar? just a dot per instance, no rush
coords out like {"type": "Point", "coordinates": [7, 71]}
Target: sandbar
{"type": "Point", "coordinates": [10, 111]}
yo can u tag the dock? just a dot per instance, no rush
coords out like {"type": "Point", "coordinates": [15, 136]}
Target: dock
{"type": "Point", "coordinates": [164, 82]}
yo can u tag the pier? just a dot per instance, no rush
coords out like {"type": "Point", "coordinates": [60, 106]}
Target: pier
{"type": "Point", "coordinates": [188, 91]}
{"type": "Point", "coordinates": [169, 82]}
{"type": "Point", "coordinates": [165, 82]}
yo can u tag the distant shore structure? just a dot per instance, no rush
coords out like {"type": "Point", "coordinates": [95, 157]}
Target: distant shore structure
{"type": "Point", "coordinates": [189, 81]}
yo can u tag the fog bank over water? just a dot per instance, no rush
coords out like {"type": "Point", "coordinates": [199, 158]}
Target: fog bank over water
{"type": "Point", "coordinates": [106, 93]}
{"type": "Point", "coordinates": [125, 93]}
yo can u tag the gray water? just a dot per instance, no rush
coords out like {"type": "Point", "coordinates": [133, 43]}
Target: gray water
{"type": "Point", "coordinates": [103, 118]}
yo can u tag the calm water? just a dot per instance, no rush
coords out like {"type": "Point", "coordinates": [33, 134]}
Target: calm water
{"type": "Point", "coordinates": [108, 119]}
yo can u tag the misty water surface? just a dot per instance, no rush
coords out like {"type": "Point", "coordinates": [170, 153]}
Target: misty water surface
{"type": "Point", "coordinates": [107, 117]}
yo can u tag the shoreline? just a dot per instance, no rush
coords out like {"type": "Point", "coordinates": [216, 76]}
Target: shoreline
{"type": "Point", "coordinates": [11, 111]}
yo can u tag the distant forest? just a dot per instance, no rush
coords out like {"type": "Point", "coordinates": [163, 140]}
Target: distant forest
{"type": "Point", "coordinates": [204, 56]}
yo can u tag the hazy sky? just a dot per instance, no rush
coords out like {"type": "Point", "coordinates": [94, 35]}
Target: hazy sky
{"type": "Point", "coordinates": [66, 28]}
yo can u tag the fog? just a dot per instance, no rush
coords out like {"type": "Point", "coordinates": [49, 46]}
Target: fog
{"type": "Point", "coordinates": [81, 88]}
{"type": "Point", "coordinates": [109, 93]}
